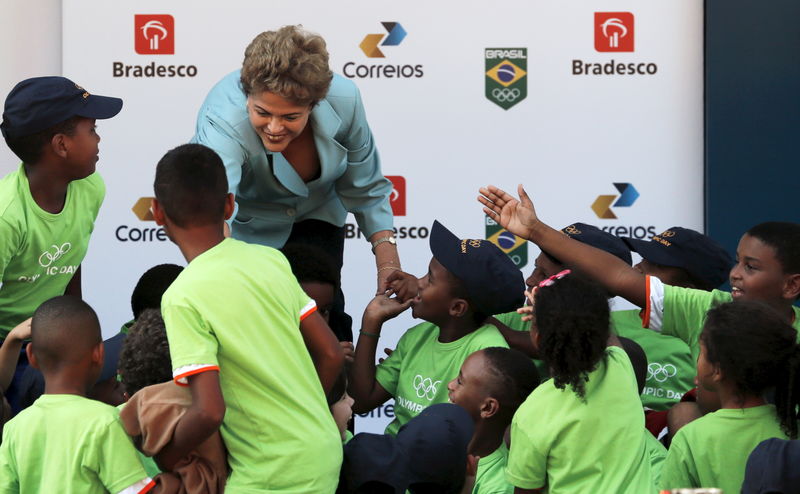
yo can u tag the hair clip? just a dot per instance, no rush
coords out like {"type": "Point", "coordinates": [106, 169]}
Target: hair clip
{"type": "Point", "coordinates": [551, 280]}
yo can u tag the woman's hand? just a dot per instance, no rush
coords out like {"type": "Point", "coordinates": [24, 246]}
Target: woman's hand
{"type": "Point", "coordinates": [516, 216]}
{"type": "Point", "coordinates": [405, 286]}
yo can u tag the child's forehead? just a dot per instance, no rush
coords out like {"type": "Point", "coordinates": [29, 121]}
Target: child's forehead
{"type": "Point", "coordinates": [751, 246]}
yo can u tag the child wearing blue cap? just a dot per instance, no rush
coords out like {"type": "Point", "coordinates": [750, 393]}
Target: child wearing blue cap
{"type": "Point", "coordinates": [49, 205]}
{"type": "Point", "coordinates": [467, 280]}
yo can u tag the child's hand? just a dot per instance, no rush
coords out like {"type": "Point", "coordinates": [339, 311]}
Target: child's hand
{"type": "Point", "coordinates": [516, 216]}
{"type": "Point", "coordinates": [405, 286]}
{"type": "Point", "coordinates": [21, 332]}
{"type": "Point", "coordinates": [527, 309]}
{"type": "Point", "coordinates": [348, 350]}
{"type": "Point", "coordinates": [382, 308]}
{"type": "Point", "coordinates": [388, 352]}
{"type": "Point", "coordinates": [471, 475]}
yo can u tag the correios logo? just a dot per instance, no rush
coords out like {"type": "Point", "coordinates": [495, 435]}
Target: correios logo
{"type": "Point", "coordinates": [506, 76]}
{"type": "Point", "coordinates": [398, 196]}
{"type": "Point", "coordinates": [142, 210]}
{"type": "Point", "coordinates": [613, 31]}
{"type": "Point", "coordinates": [370, 46]}
{"type": "Point", "coordinates": [627, 196]}
{"type": "Point", "coordinates": [154, 34]}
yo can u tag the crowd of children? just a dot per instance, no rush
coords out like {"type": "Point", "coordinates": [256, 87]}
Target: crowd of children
{"type": "Point", "coordinates": [500, 389]}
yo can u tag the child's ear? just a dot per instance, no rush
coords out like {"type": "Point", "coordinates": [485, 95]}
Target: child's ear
{"type": "Point", "coordinates": [489, 408]}
{"type": "Point", "coordinates": [98, 354]}
{"type": "Point", "coordinates": [158, 213]}
{"type": "Point", "coordinates": [59, 145]}
{"type": "Point", "coordinates": [230, 205]}
{"type": "Point", "coordinates": [791, 286]}
{"type": "Point", "coordinates": [31, 357]}
{"type": "Point", "coordinates": [458, 307]}
{"type": "Point", "coordinates": [717, 376]}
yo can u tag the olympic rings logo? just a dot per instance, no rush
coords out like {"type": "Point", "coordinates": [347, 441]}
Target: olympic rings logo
{"type": "Point", "coordinates": [668, 234]}
{"type": "Point", "coordinates": [572, 230]}
{"type": "Point", "coordinates": [47, 258]}
{"type": "Point", "coordinates": [426, 387]}
{"type": "Point", "coordinates": [661, 372]}
{"type": "Point", "coordinates": [505, 94]}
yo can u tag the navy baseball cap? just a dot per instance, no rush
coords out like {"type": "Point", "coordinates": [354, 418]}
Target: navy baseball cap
{"type": "Point", "coordinates": [702, 257]}
{"type": "Point", "coordinates": [492, 281]}
{"type": "Point", "coordinates": [591, 235]}
{"type": "Point", "coordinates": [41, 102]}
{"type": "Point", "coordinates": [111, 350]}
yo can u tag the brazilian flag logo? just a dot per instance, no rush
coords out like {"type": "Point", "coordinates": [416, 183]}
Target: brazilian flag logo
{"type": "Point", "coordinates": [515, 247]}
{"type": "Point", "coordinates": [506, 76]}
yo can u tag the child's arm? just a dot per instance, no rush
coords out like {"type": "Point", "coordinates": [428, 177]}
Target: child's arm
{"type": "Point", "coordinates": [9, 352]}
{"type": "Point", "coordinates": [518, 340]}
{"type": "Point", "coordinates": [74, 286]}
{"type": "Point", "coordinates": [519, 217]}
{"type": "Point", "coordinates": [324, 348]}
{"type": "Point", "coordinates": [366, 391]}
{"type": "Point", "coordinates": [202, 419]}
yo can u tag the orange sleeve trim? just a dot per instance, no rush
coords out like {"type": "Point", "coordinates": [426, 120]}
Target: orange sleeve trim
{"type": "Point", "coordinates": [646, 315]}
{"type": "Point", "coordinates": [148, 487]}
{"type": "Point", "coordinates": [308, 313]}
{"type": "Point", "coordinates": [193, 372]}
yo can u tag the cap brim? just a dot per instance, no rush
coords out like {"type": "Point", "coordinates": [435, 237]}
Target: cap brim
{"type": "Point", "coordinates": [441, 242]}
{"type": "Point", "coordinates": [111, 350]}
{"type": "Point", "coordinates": [652, 252]}
{"type": "Point", "coordinates": [100, 107]}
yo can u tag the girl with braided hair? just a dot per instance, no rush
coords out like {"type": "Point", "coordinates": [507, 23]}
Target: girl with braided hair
{"type": "Point", "coordinates": [582, 430]}
{"type": "Point", "coordinates": [747, 352]}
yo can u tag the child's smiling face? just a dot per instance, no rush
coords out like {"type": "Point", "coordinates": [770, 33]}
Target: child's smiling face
{"type": "Point", "coordinates": [468, 389]}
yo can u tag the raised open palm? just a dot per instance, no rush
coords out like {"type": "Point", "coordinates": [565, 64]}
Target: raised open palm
{"type": "Point", "coordinates": [516, 216]}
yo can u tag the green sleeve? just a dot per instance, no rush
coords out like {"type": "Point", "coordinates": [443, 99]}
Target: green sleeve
{"type": "Point", "coordinates": [9, 245]}
{"type": "Point", "coordinates": [679, 469]}
{"type": "Point", "coordinates": [657, 454]}
{"type": "Point", "coordinates": [527, 465]}
{"type": "Point", "coordinates": [514, 321]}
{"type": "Point", "coordinates": [100, 194]}
{"type": "Point", "coordinates": [9, 478]}
{"type": "Point", "coordinates": [191, 340]}
{"type": "Point", "coordinates": [118, 464]}
{"type": "Point", "coordinates": [388, 372]}
{"type": "Point", "coordinates": [685, 313]}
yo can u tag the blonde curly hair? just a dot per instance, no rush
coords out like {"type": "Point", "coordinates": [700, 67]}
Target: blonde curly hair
{"type": "Point", "coordinates": [290, 62]}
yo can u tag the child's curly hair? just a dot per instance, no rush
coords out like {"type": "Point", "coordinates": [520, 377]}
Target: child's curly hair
{"type": "Point", "coordinates": [572, 319]}
{"type": "Point", "coordinates": [144, 359]}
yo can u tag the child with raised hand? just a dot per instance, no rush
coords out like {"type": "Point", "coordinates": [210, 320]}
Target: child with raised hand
{"type": "Point", "coordinates": [767, 269]}
{"type": "Point", "coordinates": [582, 430]}
{"type": "Point", "coordinates": [65, 439]}
{"type": "Point", "coordinates": [467, 280]}
{"type": "Point", "coordinates": [746, 349]}
{"type": "Point", "coordinates": [491, 385]}
{"type": "Point", "coordinates": [240, 326]}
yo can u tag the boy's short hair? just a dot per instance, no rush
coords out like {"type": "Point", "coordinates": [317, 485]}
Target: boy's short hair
{"type": "Point", "coordinates": [145, 359]}
{"type": "Point", "coordinates": [311, 264]}
{"type": "Point", "coordinates": [64, 330]}
{"type": "Point", "coordinates": [513, 377]}
{"type": "Point", "coordinates": [784, 237]}
{"type": "Point", "coordinates": [191, 186]}
{"type": "Point", "coordinates": [151, 287]}
{"type": "Point", "coordinates": [30, 148]}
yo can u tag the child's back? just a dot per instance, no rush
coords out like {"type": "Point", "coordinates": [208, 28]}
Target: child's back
{"type": "Point", "coordinates": [237, 306]}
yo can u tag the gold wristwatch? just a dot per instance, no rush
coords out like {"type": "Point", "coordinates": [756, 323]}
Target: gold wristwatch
{"type": "Point", "coordinates": [388, 238]}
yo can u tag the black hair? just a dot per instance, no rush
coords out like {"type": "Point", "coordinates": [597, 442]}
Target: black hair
{"type": "Point", "coordinates": [338, 390]}
{"type": "Point", "coordinates": [30, 148]}
{"type": "Point", "coordinates": [572, 319]}
{"type": "Point", "coordinates": [638, 360]}
{"type": "Point", "coordinates": [756, 351]}
{"type": "Point", "coordinates": [514, 377]}
{"type": "Point", "coordinates": [151, 287]}
{"type": "Point", "coordinates": [311, 264]}
{"type": "Point", "coordinates": [784, 237]}
{"type": "Point", "coordinates": [191, 186]}
{"type": "Point", "coordinates": [144, 359]}
{"type": "Point", "coordinates": [64, 330]}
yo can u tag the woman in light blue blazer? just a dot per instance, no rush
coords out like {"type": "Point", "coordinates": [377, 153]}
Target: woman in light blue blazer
{"type": "Point", "coordinates": [299, 154]}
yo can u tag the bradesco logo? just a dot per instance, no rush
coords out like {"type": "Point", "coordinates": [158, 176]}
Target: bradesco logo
{"type": "Point", "coordinates": [398, 197]}
{"type": "Point", "coordinates": [153, 34]}
{"type": "Point", "coordinates": [613, 32]}
{"type": "Point", "coordinates": [515, 247]}
{"type": "Point", "coordinates": [626, 198]}
{"type": "Point", "coordinates": [141, 209]}
{"type": "Point", "coordinates": [371, 47]}
{"type": "Point", "coordinates": [506, 76]}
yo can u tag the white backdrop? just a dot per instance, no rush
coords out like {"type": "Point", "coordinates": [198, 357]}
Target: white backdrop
{"type": "Point", "coordinates": [569, 141]}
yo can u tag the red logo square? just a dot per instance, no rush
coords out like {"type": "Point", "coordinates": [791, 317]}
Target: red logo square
{"type": "Point", "coordinates": [613, 31]}
{"type": "Point", "coordinates": [398, 197]}
{"type": "Point", "coordinates": [154, 34]}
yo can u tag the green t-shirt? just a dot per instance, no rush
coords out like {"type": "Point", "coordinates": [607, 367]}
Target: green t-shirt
{"type": "Point", "coordinates": [491, 476]}
{"type": "Point", "coordinates": [514, 321]}
{"type": "Point", "coordinates": [237, 307]}
{"type": "Point", "coordinates": [40, 251]}
{"type": "Point", "coordinates": [681, 312]}
{"type": "Point", "coordinates": [712, 451]}
{"type": "Point", "coordinates": [418, 371]}
{"type": "Point", "coordinates": [568, 445]}
{"type": "Point", "coordinates": [670, 369]}
{"type": "Point", "coordinates": [657, 453]}
{"type": "Point", "coordinates": [70, 444]}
